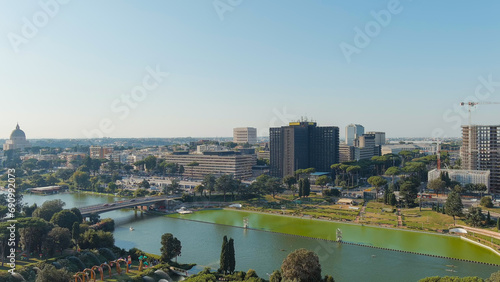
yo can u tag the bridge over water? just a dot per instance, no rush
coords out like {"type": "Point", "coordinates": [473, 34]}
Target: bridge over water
{"type": "Point", "coordinates": [127, 203]}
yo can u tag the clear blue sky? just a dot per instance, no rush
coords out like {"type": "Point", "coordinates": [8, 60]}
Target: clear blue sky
{"type": "Point", "coordinates": [263, 57]}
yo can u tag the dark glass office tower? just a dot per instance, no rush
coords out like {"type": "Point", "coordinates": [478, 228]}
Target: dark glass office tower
{"type": "Point", "coordinates": [302, 145]}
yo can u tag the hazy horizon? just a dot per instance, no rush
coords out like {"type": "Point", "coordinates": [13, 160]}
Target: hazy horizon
{"type": "Point", "coordinates": [188, 68]}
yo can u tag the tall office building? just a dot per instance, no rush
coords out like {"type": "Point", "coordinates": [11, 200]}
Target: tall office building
{"type": "Point", "coordinates": [481, 151]}
{"type": "Point", "coordinates": [379, 137]}
{"type": "Point", "coordinates": [352, 132]}
{"type": "Point", "coordinates": [245, 135]}
{"type": "Point", "coordinates": [302, 145]}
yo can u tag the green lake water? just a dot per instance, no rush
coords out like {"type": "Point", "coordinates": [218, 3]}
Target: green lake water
{"type": "Point", "coordinates": [264, 251]}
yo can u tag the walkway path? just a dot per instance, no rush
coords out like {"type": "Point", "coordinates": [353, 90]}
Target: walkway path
{"type": "Point", "coordinates": [362, 211]}
{"type": "Point", "coordinates": [400, 220]}
{"type": "Point", "coordinates": [493, 234]}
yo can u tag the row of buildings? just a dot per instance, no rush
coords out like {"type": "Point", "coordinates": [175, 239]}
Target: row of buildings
{"type": "Point", "coordinates": [301, 145]}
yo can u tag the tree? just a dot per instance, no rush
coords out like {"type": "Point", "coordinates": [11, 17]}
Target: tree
{"type": "Point", "coordinates": [437, 185]}
{"type": "Point", "coordinates": [64, 218]}
{"type": "Point", "coordinates": [48, 209]}
{"type": "Point", "coordinates": [453, 205]}
{"type": "Point", "coordinates": [322, 181]}
{"type": "Point", "coordinates": [199, 189]}
{"type": "Point", "coordinates": [224, 259]}
{"type": "Point", "coordinates": [75, 231]}
{"type": "Point", "coordinates": [408, 192]}
{"type": "Point", "coordinates": [306, 187]}
{"type": "Point", "coordinates": [94, 218]}
{"type": "Point", "coordinates": [444, 176]}
{"type": "Point", "coordinates": [209, 183]}
{"type": "Point", "coordinates": [475, 217]}
{"type": "Point", "coordinates": [351, 171]}
{"type": "Point", "coordinates": [58, 239]}
{"type": "Point", "coordinates": [289, 181]}
{"type": "Point", "coordinates": [81, 179]}
{"type": "Point", "coordinates": [498, 223]}
{"type": "Point", "coordinates": [393, 171]}
{"type": "Point", "coordinates": [495, 277]}
{"type": "Point", "coordinates": [275, 276]}
{"type": "Point", "coordinates": [78, 214]}
{"type": "Point", "coordinates": [227, 257]}
{"type": "Point", "coordinates": [92, 239]}
{"type": "Point", "coordinates": [301, 265]}
{"type": "Point", "coordinates": [50, 273]}
{"type": "Point", "coordinates": [301, 188]}
{"type": "Point", "coordinates": [274, 186]}
{"type": "Point", "coordinates": [232, 258]}
{"type": "Point", "coordinates": [225, 184]}
{"type": "Point", "coordinates": [481, 188]}
{"type": "Point", "coordinates": [144, 184]}
{"type": "Point", "coordinates": [392, 200]}
{"type": "Point", "coordinates": [28, 210]}
{"type": "Point", "coordinates": [171, 247]}
{"type": "Point", "coordinates": [150, 163]}
{"type": "Point", "coordinates": [32, 232]}
{"type": "Point", "coordinates": [486, 202]}
{"type": "Point", "coordinates": [140, 193]}
{"type": "Point", "coordinates": [378, 182]}
{"type": "Point", "coordinates": [175, 185]}
{"type": "Point", "coordinates": [181, 170]}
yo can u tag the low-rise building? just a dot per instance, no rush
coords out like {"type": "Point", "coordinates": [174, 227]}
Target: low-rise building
{"type": "Point", "coordinates": [463, 176]}
{"type": "Point", "coordinates": [216, 163]}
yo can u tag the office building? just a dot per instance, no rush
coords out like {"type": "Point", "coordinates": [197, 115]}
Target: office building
{"type": "Point", "coordinates": [481, 151]}
{"type": "Point", "coordinates": [216, 163]}
{"type": "Point", "coordinates": [302, 145]}
{"type": "Point", "coordinates": [17, 140]}
{"type": "Point", "coordinates": [243, 135]}
{"type": "Point", "coordinates": [352, 132]}
{"type": "Point", "coordinates": [379, 137]}
{"type": "Point", "coordinates": [347, 153]}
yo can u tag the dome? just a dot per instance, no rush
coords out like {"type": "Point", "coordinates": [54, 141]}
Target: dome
{"type": "Point", "coordinates": [17, 133]}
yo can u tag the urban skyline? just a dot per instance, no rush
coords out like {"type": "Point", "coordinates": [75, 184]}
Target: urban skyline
{"type": "Point", "coordinates": [407, 79]}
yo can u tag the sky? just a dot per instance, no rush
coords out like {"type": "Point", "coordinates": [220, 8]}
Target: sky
{"type": "Point", "coordinates": [185, 68]}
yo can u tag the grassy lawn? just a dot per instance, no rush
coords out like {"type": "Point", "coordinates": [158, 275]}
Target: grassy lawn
{"type": "Point", "coordinates": [429, 219]}
{"type": "Point", "coordinates": [374, 215]}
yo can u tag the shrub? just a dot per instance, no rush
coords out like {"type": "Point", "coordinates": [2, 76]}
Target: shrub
{"type": "Point", "coordinates": [107, 253]}
{"type": "Point", "coordinates": [89, 259]}
{"type": "Point", "coordinates": [486, 202]}
{"type": "Point", "coordinates": [77, 262]}
{"type": "Point", "coordinates": [135, 253]}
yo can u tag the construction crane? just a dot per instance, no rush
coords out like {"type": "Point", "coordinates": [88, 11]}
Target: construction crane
{"type": "Point", "coordinates": [472, 105]}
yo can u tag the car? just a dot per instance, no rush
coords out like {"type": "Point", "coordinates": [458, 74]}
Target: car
{"type": "Point", "coordinates": [112, 204]}
{"type": "Point", "coordinates": [105, 205]}
{"type": "Point", "coordinates": [133, 200]}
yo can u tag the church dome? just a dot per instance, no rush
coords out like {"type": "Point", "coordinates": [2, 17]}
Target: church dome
{"type": "Point", "coordinates": [17, 133]}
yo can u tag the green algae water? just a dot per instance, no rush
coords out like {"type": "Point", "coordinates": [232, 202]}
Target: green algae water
{"type": "Point", "coordinates": [418, 242]}
{"type": "Point", "coordinates": [265, 251]}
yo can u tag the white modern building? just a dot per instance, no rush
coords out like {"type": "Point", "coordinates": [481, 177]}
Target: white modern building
{"type": "Point", "coordinates": [243, 135]}
{"type": "Point", "coordinates": [352, 132]}
{"type": "Point", "coordinates": [463, 176]}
